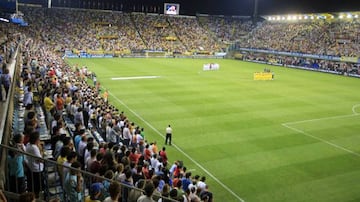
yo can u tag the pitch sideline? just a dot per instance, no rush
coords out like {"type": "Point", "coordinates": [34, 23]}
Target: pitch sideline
{"type": "Point", "coordinates": [354, 113]}
{"type": "Point", "coordinates": [179, 149]}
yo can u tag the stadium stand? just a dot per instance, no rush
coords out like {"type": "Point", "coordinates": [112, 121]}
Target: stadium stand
{"type": "Point", "coordinates": [336, 37]}
{"type": "Point", "coordinates": [65, 120]}
{"type": "Point", "coordinates": [74, 121]}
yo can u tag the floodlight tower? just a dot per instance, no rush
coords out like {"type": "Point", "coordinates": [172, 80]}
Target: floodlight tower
{"type": "Point", "coordinates": [255, 15]}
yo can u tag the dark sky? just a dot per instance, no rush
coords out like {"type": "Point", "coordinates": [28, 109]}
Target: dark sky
{"type": "Point", "coordinates": [246, 7]}
{"type": "Point", "coordinates": [225, 7]}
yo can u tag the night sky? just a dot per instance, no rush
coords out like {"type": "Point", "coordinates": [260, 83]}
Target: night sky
{"type": "Point", "coordinates": [246, 7]}
{"type": "Point", "coordinates": [216, 7]}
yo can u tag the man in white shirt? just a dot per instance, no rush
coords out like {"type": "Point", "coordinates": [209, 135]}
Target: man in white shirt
{"type": "Point", "coordinates": [168, 135]}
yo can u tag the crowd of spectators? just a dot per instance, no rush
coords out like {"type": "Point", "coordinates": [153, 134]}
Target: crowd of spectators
{"type": "Point", "coordinates": [8, 43]}
{"type": "Point", "coordinates": [320, 37]}
{"type": "Point", "coordinates": [157, 33]}
{"type": "Point", "coordinates": [126, 157]}
{"type": "Point", "coordinates": [194, 37]}
{"type": "Point", "coordinates": [227, 28]}
{"type": "Point", "coordinates": [67, 29]}
{"type": "Point", "coordinates": [344, 68]}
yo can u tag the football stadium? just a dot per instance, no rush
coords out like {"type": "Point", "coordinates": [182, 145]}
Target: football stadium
{"type": "Point", "coordinates": [137, 101]}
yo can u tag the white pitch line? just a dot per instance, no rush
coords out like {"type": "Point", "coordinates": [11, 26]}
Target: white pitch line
{"type": "Point", "coordinates": [328, 118]}
{"type": "Point", "coordinates": [320, 119]}
{"type": "Point", "coordinates": [354, 107]}
{"type": "Point", "coordinates": [322, 140]}
{"type": "Point", "coordinates": [135, 77]}
{"type": "Point", "coordinates": [179, 149]}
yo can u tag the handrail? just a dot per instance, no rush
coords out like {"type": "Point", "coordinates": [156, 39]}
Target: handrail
{"type": "Point", "coordinates": [6, 116]}
{"type": "Point", "coordinates": [86, 173]}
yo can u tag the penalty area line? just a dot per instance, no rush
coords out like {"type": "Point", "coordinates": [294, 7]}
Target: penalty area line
{"type": "Point", "coordinates": [178, 148]}
{"type": "Point", "coordinates": [321, 140]}
{"type": "Point", "coordinates": [354, 113]}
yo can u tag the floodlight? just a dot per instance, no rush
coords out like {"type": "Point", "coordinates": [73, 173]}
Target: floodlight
{"type": "Point", "coordinates": [312, 17]}
{"type": "Point", "coordinates": [4, 20]}
{"type": "Point", "coordinates": [349, 16]}
{"type": "Point", "coordinates": [341, 16]}
{"type": "Point", "coordinates": [300, 18]}
{"type": "Point", "coordinates": [283, 18]}
{"type": "Point", "coordinates": [306, 17]}
{"type": "Point", "coordinates": [356, 16]}
{"type": "Point", "coordinates": [278, 18]}
{"type": "Point", "coordinates": [294, 17]}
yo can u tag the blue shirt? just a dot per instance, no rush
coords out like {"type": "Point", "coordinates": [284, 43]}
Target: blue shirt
{"type": "Point", "coordinates": [15, 165]}
{"type": "Point", "coordinates": [185, 183]}
{"type": "Point", "coordinates": [77, 141]}
{"type": "Point", "coordinates": [70, 188]}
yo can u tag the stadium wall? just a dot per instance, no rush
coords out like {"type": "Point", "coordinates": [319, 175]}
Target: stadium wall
{"type": "Point", "coordinates": [143, 54]}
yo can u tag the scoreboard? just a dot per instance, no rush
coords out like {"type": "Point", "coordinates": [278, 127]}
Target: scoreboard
{"type": "Point", "coordinates": [171, 9]}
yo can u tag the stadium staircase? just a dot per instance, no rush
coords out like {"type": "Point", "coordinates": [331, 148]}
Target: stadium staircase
{"type": "Point", "coordinates": [177, 36]}
{"type": "Point", "coordinates": [137, 30]}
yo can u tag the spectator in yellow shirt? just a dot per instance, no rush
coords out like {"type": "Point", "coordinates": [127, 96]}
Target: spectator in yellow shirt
{"type": "Point", "coordinates": [48, 104]}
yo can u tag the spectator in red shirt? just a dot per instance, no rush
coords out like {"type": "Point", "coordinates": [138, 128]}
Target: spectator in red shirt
{"type": "Point", "coordinates": [134, 157]}
{"type": "Point", "coordinates": [163, 156]}
{"type": "Point", "coordinates": [147, 153]}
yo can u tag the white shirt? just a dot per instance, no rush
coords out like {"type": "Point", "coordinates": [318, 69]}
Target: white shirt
{"type": "Point", "coordinates": [66, 170]}
{"type": "Point", "coordinates": [34, 164]}
{"type": "Point", "coordinates": [144, 198]}
{"type": "Point", "coordinates": [201, 185]}
{"type": "Point", "coordinates": [82, 146]}
{"type": "Point", "coordinates": [154, 162]}
{"type": "Point", "coordinates": [126, 133]}
{"type": "Point", "coordinates": [168, 130]}
{"type": "Point", "coordinates": [108, 199]}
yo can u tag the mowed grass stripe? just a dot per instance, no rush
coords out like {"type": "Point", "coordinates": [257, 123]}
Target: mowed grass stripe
{"type": "Point", "coordinates": [307, 191]}
{"type": "Point", "coordinates": [232, 124]}
{"type": "Point", "coordinates": [348, 137]}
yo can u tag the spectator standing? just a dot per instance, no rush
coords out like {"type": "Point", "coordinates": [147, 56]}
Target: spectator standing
{"type": "Point", "coordinates": [48, 105]}
{"type": "Point", "coordinates": [36, 166]}
{"type": "Point", "coordinates": [163, 155]}
{"type": "Point", "coordinates": [74, 184]}
{"type": "Point", "coordinates": [16, 172]}
{"type": "Point", "coordinates": [95, 192]}
{"type": "Point", "coordinates": [28, 96]}
{"type": "Point", "coordinates": [6, 81]}
{"type": "Point", "coordinates": [149, 190]}
{"type": "Point", "coordinates": [114, 191]}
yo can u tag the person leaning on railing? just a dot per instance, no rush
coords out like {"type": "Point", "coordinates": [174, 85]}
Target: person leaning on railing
{"type": "Point", "coordinates": [36, 166]}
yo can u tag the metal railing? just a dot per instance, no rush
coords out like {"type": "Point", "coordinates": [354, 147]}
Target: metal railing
{"type": "Point", "coordinates": [8, 110]}
{"type": "Point", "coordinates": [51, 185]}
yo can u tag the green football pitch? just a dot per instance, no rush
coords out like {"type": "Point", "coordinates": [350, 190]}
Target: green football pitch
{"type": "Point", "coordinates": [295, 138]}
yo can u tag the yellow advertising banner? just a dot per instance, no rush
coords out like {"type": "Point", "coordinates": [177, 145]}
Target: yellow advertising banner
{"type": "Point", "coordinates": [349, 59]}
